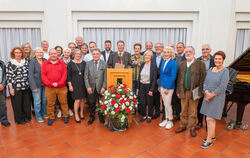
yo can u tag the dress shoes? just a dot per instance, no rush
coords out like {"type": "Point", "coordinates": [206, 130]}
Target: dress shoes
{"type": "Point", "coordinates": [180, 129]}
{"type": "Point", "coordinates": [91, 120]}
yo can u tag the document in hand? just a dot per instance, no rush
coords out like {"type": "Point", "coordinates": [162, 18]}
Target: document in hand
{"type": "Point", "coordinates": [195, 93]}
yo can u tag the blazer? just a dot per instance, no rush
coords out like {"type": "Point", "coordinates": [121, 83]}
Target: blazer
{"type": "Point", "coordinates": [198, 74]}
{"type": "Point", "coordinates": [211, 64]}
{"type": "Point", "coordinates": [104, 55]}
{"type": "Point", "coordinates": [3, 82]}
{"type": "Point", "coordinates": [35, 78]}
{"type": "Point", "coordinates": [114, 58]}
{"type": "Point", "coordinates": [154, 61]}
{"type": "Point", "coordinates": [168, 75]}
{"type": "Point", "coordinates": [153, 77]}
{"type": "Point", "coordinates": [95, 79]}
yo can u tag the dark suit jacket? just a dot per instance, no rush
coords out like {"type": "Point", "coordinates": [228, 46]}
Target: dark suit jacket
{"type": "Point", "coordinates": [198, 74]}
{"type": "Point", "coordinates": [183, 58]}
{"type": "Point", "coordinates": [35, 78]}
{"type": "Point", "coordinates": [158, 68]}
{"type": "Point", "coordinates": [145, 51]}
{"type": "Point", "coordinates": [3, 82]}
{"type": "Point", "coordinates": [114, 58]}
{"type": "Point", "coordinates": [153, 76]}
{"type": "Point", "coordinates": [211, 64]}
{"type": "Point", "coordinates": [104, 55]}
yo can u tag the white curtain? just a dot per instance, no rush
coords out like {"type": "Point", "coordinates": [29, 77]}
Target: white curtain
{"type": "Point", "coordinates": [242, 41]}
{"type": "Point", "coordinates": [134, 35]}
{"type": "Point", "coordinates": [11, 37]}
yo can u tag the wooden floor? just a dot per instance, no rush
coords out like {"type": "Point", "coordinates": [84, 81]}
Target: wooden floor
{"type": "Point", "coordinates": [95, 141]}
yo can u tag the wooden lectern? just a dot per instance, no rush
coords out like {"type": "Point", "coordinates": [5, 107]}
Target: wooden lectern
{"type": "Point", "coordinates": [115, 76]}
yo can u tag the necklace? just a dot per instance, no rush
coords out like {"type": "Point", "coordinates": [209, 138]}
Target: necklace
{"type": "Point", "coordinates": [79, 69]}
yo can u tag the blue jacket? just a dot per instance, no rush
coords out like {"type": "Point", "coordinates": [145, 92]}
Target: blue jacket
{"type": "Point", "coordinates": [168, 75]}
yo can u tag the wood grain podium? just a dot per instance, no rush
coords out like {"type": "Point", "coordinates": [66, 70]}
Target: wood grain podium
{"type": "Point", "coordinates": [115, 76]}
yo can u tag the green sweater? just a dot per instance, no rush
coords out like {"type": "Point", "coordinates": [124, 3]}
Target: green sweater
{"type": "Point", "coordinates": [187, 79]}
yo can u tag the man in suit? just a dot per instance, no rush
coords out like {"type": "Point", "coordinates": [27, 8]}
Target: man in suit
{"type": "Point", "coordinates": [176, 102]}
{"type": "Point", "coordinates": [95, 82]}
{"type": "Point", "coordinates": [191, 75]}
{"type": "Point", "coordinates": [157, 60]}
{"type": "Point", "coordinates": [121, 56]}
{"type": "Point", "coordinates": [208, 59]}
{"type": "Point", "coordinates": [3, 109]}
{"type": "Point", "coordinates": [107, 52]}
{"type": "Point", "coordinates": [148, 46]}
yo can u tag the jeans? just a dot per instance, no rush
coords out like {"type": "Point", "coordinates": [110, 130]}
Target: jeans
{"type": "Point", "coordinates": [40, 102]}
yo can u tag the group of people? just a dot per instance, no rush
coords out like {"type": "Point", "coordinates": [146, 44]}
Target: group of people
{"type": "Point", "coordinates": [168, 80]}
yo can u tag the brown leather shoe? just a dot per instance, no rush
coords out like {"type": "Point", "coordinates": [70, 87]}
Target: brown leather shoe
{"type": "Point", "coordinates": [193, 132]}
{"type": "Point", "coordinates": [180, 129]}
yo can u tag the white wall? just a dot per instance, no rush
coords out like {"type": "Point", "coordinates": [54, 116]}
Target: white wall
{"type": "Point", "coordinates": [208, 21]}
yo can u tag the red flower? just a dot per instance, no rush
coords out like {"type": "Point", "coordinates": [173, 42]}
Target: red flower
{"type": "Point", "coordinates": [111, 86]}
{"type": "Point", "coordinates": [118, 96]}
{"type": "Point", "coordinates": [103, 107]}
{"type": "Point", "coordinates": [118, 109]}
{"type": "Point", "coordinates": [128, 100]}
{"type": "Point", "coordinates": [122, 101]}
{"type": "Point", "coordinates": [102, 97]}
{"type": "Point", "coordinates": [128, 110]}
{"type": "Point", "coordinates": [124, 85]}
{"type": "Point", "coordinates": [113, 102]}
{"type": "Point", "coordinates": [125, 91]}
{"type": "Point", "coordinates": [112, 91]}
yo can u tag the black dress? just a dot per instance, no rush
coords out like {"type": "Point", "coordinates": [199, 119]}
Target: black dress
{"type": "Point", "coordinates": [76, 77]}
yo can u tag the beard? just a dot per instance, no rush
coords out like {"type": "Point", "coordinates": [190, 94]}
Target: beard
{"type": "Point", "coordinates": [107, 49]}
{"type": "Point", "coordinates": [189, 57]}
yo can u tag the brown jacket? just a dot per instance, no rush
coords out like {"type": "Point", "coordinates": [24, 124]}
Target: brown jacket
{"type": "Point", "coordinates": [198, 74]}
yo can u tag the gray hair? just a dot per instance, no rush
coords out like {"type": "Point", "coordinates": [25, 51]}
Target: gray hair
{"type": "Point", "coordinates": [160, 43]}
{"type": "Point", "coordinates": [148, 52]}
{"type": "Point", "coordinates": [75, 51]}
{"type": "Point", "coordinates": [51, 50]}
{"type": "Point", "coordinates": [67, 49]}
{"type": "Point", "coordinates": [206, 45]}
{"type": "Point", "coordinates": [190, 47]}
{"type": "Point", "coordinates": [169, 50]}
{"type": "Point", "coordinates": [37, 48]}
{"type": "Point", "coordinates": [96, 49]}
{"type": "Point", "coordinates": [149, 42]}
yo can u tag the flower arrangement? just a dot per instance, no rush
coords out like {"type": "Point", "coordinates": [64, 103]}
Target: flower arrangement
{"type": "Point", "coordinates": [118, 102]}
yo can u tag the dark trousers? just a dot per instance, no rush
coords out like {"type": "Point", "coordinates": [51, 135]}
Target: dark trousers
{"type": "Point", "coordinates": [199, 115]}
{"type": "Point", "coordinates": [176, 104]}
{"type": "Point", "coordinates": [3, 109]}
{"type": "Point", "coordinates": [156, 102]}
{"type": "Point", "coordinates": [21, 104]}
{"type": "Point", "coordinates": [146, 100]}
{"type": "Point", "coordinates": [92, 98]}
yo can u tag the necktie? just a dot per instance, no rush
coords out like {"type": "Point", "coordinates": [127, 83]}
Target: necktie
{"type": "Point", "coordinates": [120, 58]}
{"type": "Point", "coordinates": [96, 65]}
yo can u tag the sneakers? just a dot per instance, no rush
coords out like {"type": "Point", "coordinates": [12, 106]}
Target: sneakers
{"type": "Point", "coordinates": [206, 145]}
{"type": "Point", "coordinates": [40, 120]}
{"type": "Point", "coordinates": [70, 112]}
{"type": "Point", "coordinates": [213, 139]}
{"type": "Point", "coordinates": [148, 119]}
{"type": "Point", "coordinates": [169, 125]}
{"type": "Point", "coordinates": [143, 119]}
{"type": "Point", "coordinates": [59, 114]}
{"type": "Point", "coordinates": [163, 123]}
{"type": "Point", "coordinates": [45, 116]}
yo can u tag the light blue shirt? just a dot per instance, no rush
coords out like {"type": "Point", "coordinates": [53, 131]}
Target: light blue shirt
{"type": "Point", "coordinates": [89, 57]}
{"type": "Point", "coordinates": [1, 74]}
{"type": "Point", "coordinates": [158, 61]}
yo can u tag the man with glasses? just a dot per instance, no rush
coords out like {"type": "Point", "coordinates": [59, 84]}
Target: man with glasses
{"type": "Point", "coordinates": [207, 58]}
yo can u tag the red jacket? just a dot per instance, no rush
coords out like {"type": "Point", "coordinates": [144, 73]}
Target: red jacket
{"type": "Point", "coordinates": [54, 73]}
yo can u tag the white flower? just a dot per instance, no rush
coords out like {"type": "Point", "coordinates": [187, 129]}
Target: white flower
{"type": "Point", "coordinates": [130, 97]}
{"type": "Point", "coordinates": [123, 117]}
{"type": "Point", "coordinates": [106, 102]}
{"type": "Point", "coordinates": [135, 105]}
{"type": "Point", "coordinates": [119, 90]}
{"type": "Point", "coordinates": [135, 96]}
{"type": "Point", "coordinates": [100, 102]}
{"type": "Point", "coordinates": [113, 95]}
{"type": "Point", "coordinates": [112, 112]}
{"type": "Point", "coordinates": [110, 100]}
{"type": "Point", "coordinates": [123, 96]}
{"type": "Point", "coordinates": [105, 112]}
{"type": "Point", "coordinates": [116, 105]}
{"type": "Point", "coordinates": [105, 97]}
{"type": "Point", "coordinates": [127, 103]}
{"type": "Point", "coordinates": [130, 107]}
{"type": "Point", "coordinates": [123, 107]}
{"type": "Point", "coordinates": [121, 85]}
{"type": "Point", "coordinates": [106, 92]}
{"type": "Point", "coordinates": [131, 93]}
